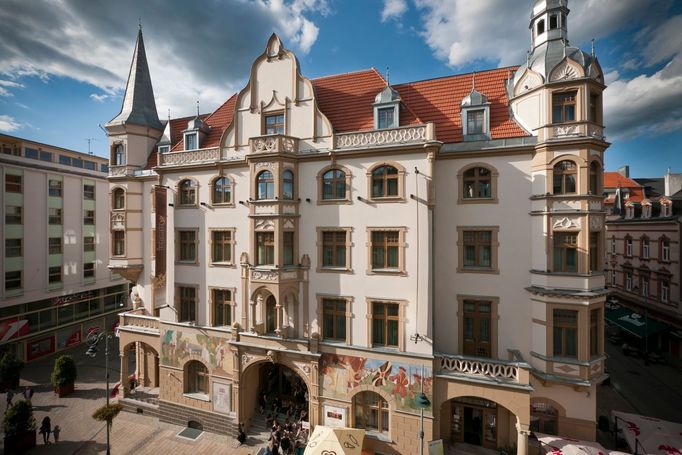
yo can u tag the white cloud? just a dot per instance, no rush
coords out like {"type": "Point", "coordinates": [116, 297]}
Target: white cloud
{"type": "Point", "coordinates": [8, 124]}
{"type": "Point", "coordinates": [5, 85]}
{"type": "Point", "coordinates": [98, 98]}
{"type": "Point", "coordinates": [196, 51]}
{"type": "Point", "coordinates": [393, 9]}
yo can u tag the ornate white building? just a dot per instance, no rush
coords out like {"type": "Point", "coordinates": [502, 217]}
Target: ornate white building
{"type": "Point", "coordinates": [371, 240]}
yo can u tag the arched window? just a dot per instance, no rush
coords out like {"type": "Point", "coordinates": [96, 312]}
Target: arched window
{"type": "Point", "coordinates": [266, 185]}
{"type": "Point", "coordinates": [371, 412]}
{"type": "Point", "coordinates": [334, 184]}
{"type": "Point", "coordinates": [287, 185]}
{"type": "Point", "coordinates": [565, 173]}
{"type": "Point", "coordinates": [477, 183]}
{"type": "Point", "coordinates": [595, 172]}
{"type": "Point", "coordinates": [188, 192]}
{"type": "Point", "coordinates": [541, 26]}
{"type": "Point", "coordinates": [119, 155]}
{"type": "Point", "coordinates": [544, 418]}
{"type": "Point", "coordinates": [385, 182]}
{"type": "Point", "coordinates": [118, 199]}
{"type": "Point", "coordinates": [197, 377]}
{"type": "Point", "coordinates": [222, 191]}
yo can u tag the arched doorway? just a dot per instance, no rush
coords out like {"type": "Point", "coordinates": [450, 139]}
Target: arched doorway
{"type": "Point", "coordinates": [478, 421]}
{"type": "Point", "coordinates": [143, 368]}
{"type": "Point", "coordinates": [270, 314]}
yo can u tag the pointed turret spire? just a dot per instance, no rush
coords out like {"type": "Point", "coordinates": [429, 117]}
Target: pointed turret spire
{"type": "Point", "coordinates": [139, 107]}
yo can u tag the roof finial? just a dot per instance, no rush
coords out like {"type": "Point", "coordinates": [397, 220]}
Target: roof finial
{"type": "Point", "coordinates": [139, 23]}
{"type": "Point", "coordinates": [388, 76]}
{"type": "Point", "coordinates": [197, 108]}
{"type": "Point", "coordinates": [169, 114]}
{"type": "Point", "coordinates": [473, 81]}
{"type": "Point", "coordinates": [592, 47]}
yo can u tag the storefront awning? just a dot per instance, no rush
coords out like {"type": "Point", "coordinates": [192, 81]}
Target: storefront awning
{"type": "Point", "coordinates": [633, 322]}
{"type": "Point", "coordinates": [556, 445]}
{"type": "Point", "coordinates": [649, 435]}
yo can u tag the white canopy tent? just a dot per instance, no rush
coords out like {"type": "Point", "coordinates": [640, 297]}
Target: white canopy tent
{"type": "Point", "coordinates": [335, 441]}
{"type": "Point", "coordinates": [648, 435]}
{"type": "Point", "coordinates": [557, 445]}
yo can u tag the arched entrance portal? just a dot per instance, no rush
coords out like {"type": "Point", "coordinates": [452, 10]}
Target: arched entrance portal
{"type": "Point", "coordinates": [480, 422]}
{"type": "Point", "coordinates": [143, 366]}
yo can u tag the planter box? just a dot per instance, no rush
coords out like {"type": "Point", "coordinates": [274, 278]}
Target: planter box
{"type": "Point", "coordinates": [21, 443]}
{"type": "Point", "coordinates": [64, 390]}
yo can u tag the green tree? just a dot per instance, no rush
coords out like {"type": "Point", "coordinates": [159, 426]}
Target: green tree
{"type": "Point", "coordinates": [64, 371]}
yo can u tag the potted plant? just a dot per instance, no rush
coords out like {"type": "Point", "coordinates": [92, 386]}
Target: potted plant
{"type": "Point", "coordinates": [20, 427]}
{"type": "Point", "coordinates": [107, 413]}
{"type": "Point", "coordinates": [64, 375]}
{"type": "Point", "coordinates": [10, 371]}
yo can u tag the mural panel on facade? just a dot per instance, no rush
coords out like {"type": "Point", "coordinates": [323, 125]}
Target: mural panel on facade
{"type": "Point", "coordinates": [178, 347]}
{"type": "Point", "coordinates": [342, 373]}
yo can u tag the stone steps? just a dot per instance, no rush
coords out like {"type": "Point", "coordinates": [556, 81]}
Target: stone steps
{"type": "Point", "coordinates": [139, 407]}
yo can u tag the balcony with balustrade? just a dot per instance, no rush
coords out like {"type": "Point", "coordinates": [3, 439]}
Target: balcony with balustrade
{"type": "Point", "coordinates": [513, 373]}
{"type": "Point", "coordinates": [572, 130]}
{"type": "Point", "coordinates": [390, 137]}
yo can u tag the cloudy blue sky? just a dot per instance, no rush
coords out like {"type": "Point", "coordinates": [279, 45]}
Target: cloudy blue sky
{"type": "Point", "coordinates": [63, 64]}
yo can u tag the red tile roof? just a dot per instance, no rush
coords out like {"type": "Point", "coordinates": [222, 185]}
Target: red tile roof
{"type": "Point", "coordinates": [613, 180]}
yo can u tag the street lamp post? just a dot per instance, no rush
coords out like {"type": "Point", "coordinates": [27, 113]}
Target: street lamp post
{"type": "Point", "coordinates": [422, 403]}
{"type": "Point", "coordinates": [93, 339]}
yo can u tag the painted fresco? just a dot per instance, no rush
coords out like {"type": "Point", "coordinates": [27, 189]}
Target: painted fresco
{"type": "Point", "coordinates": [341, 374]}
{"type": "Point", "coordinates": [178, 347]}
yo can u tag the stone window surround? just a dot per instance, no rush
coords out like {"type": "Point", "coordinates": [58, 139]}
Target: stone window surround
{"type": "Point", "coordinates": [178, 203]}
{"type": "Point", "coordinates": [401, 270]}
{"type": "Point", "coordinates": [264, 115]}
{"type": "Point", "coordinates": [494, 247]}
{"type": "Point", "coordinates": [402, 305]}
{"type": "Point", "coordinates": [582, 336]}
{"type": "Point", "coordinates": [374, 434]}
{"type": "Point", "coordinates": [644, 241]}
{"type": "Point", "coordinates": [197, 243]}
{"type": "Point", "coordinates": [232, 262]}
{"type": "Point", "coordinates": [349, 315]}
{"type": "Point", "coordinates": [494, 318]}
{"type": "Point", "coordinates": [112, 153]}
{"type": "Point", "coordinates": [196, 134]}
{"type": "Point", "coordinates": [231, 186]}
{"type": "Point", "coordinates": [320, 249]}
{"type": "Point", "coordinates": [349, 177]}
{"type": "Point", "coordinates": [400, 197]}
{"type": "Point", "coordinates": [125, 245]}
{"type": "Point", "coordinates": [176, 300]}
{"type": "Point", "coordinates": [661, 255]}
{"type": "Point", "coordinates": [112, 197]}
{"type": "Point", "coordinates": [232, 303]}
{"type": "Point", "coordinates": [493, 185]}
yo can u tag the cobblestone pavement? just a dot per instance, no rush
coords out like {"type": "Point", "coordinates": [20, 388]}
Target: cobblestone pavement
{"type": "Point", "coordinates": [130, 433]}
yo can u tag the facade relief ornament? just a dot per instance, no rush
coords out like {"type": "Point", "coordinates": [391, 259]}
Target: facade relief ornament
{"type": "Point", "coordinates": [246, 359]}
{"type": "Point", "coordinates": [568, 130]}
{"type": "Point", "coordinates": [272, 356]}
{"type": "Point", "coordinates": [564, 71]}
{"type": "Point", "coordinates": [596, 223]}
{"type": "Point", "coordinates": [265, 225]}
{"type": "Point", "coordinates": [264, 164]}
{"type": "Point", "coordinates": [566, 223]}
{"type": "Point", "coordinates": [528, 82]}
{"type": "Point", "coordinates": [304, 367]}
{"type": "Point", "coordinates": [118, 221]}
{"type": "Point", "coordinates": [288, 223]}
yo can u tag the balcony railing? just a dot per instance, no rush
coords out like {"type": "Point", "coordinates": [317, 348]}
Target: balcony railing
{"type": "Point", "coordinates": [388, 137]}
{"type": "Point", "coordinates": [274, 143]}
{"type": "Point", "coordinates": [139, 323]}
{"type": "Point", "coordinates": [512, 372]}
{"type": "Point", "coordinates": [571, 130]}
{"type": "Point", "coordinates": [268, 275]}
{"type": "Point", "coordinates": [189, 157]}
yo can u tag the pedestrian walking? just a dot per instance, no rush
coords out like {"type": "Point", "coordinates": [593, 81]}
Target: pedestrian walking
{"type": "Point", "coordinates": [28, 393]}
{"type": "Point", "coordinates": [10, 395]}
{"type": "Point", "coordinates": [46, 429]}
{"type": "Point", "coordinates": [56, 432]}
{"type": "Point", "coordinates": [241, 436]}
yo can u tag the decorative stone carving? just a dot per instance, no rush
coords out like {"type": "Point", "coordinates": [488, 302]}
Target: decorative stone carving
{"type": "Point", "coordinates": [392, 136]}
{"type": "Point", "coordinates": [596, 223]}
{"type": "Point", "coordinates": [264, 275]}
{"type": "Point", "coordinates": [264, 225]}
{"type": "Point", "coordinates": [246, 359]}
{"type": "Point", "coordinates": [304, 367]}
{"type": "Point", "coordinates": [189, 157]}
{"type": "Point", "coordinates": [305, 261]}
{"type": "Point", "coordinates": [528, 82]}
{"type": "Point", "coordinates": [288, 223]}
{"type": "Point", "coordinates": [564, 71]}
{"type": "Point", "coordinates": [566, 222]}
{"type": "Point", "coordinates": [264, 164]}
{"type": "Point", "coordinates": [272, 356]}
{"type": "Point", "coordinates": [499, 371]}
{"type": "Point", "coordinates": [274, 144]}
{"type": "Point", "coordinates": [595, 205]}
{"type": "Point", "coordinates": [135, 298]}
{"type": "Point", "coordinates": [159, 281]}
{"type": "Point", "coordinates": [118, 221]}
{"type": "Point", "coordinates": [244, 258]}
{"type": "Point", "coordinates": [566, 131]}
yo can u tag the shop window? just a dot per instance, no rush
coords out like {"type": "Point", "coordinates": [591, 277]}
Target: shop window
{"type": "Point", "coordinates": [544, 418]}
{"type": "Point", "coordinates": [197, 377]}
{"type": "Point", "coordinates": [371, 412]}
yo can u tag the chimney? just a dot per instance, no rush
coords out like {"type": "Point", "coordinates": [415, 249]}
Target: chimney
{"type": "Point", "coordinates": [624, 171]}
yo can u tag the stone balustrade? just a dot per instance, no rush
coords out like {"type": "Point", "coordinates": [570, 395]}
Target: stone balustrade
{"type": "Point", "coordinates": [571, 130]}
{"type": "Point", "coordinates": [386, 137]}
{"type": "Point", "coordinates": [274, 143]}
{"type": "Point", "coordinates": [267, 275]}
{"type": "Point", "coordinates": [497, 370]}
{"type": "Point", "coordinates": [118, 171]}
{"type": "Point", "coordinates": [139, 322]}
{"type": "Point", "coordinates": [189, 157]}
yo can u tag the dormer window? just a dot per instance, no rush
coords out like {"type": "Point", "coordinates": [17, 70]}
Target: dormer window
{"type": "Point", "coordinates": [274, 124]}
{"type": "Point", "coordinates": [164, 148]}
{"type": "Point", "coordinates": [476, 121]}
{"type": "Point", "coordinates": [387, 109]}
{"type": "Point", "coordinates": [386, 119]}
{"type": "Point", "coordinates": [191, 141]}
{"type": "Point", "coordinates": [475, 116]}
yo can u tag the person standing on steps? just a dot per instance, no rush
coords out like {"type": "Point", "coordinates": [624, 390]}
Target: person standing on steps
{"type": "Point", "coordinates": [10, 395]}
{"type": "Point", "coordinates": [46, 429]}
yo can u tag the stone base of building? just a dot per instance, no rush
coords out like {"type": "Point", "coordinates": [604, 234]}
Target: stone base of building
{"type": "Point", "coordinates": [210, 421]}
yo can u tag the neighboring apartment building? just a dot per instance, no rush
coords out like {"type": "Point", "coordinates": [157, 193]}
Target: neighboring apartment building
{"type": "Point", "coordinates": [366, 240]}
{"type": "Point", "coordinates": [643, 257]}
{"type": "Point", "coordinates": [56, 284]}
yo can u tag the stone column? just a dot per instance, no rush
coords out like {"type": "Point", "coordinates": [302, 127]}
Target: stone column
{"type": "Point", "coordinates": [522, 439]}
{"type": "Point", "coordinates": [245, 291]}
{"type": "Point", "coordinates": [123, 390]}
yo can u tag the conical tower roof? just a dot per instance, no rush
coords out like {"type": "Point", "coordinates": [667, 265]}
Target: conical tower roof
{"type": "Point", "coordinates": [139, 107]}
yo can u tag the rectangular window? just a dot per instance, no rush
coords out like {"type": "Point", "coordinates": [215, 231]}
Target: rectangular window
{"type": "Point", "coordinates": [65, 160]}
{"type": "Point", "coordinates": [119, 243]}
{"type": "Point", "coordinates": [477, 248]}
{"type": "Point", "coordinates": [565, 333]}
{"type": "Point", "coordinates": [645, 249]}
{"type": "Point", "coordinates": [385, 324]}
{"type": "Point", "coordinates": [594, 333]}
{"type": "Point", "coordinates": [665, 291]}
{"type": "Point", "coordinates": [475, 121]}
{"type": "Point", "coordinates": [45, 156]}
{"type": "Point", "coordinates": [265, 248]}
{"type": "Point", "coordinates": [89, 217]}
{"type": "Point", "coordinates": [89, 270]}
{"type": "Point", "coordinates": [645, 285]}
{"type": "Point", "coordinates": [191, 142]}
{"type": "Point", "coordinates": [628, 281]}
{"type": "Point", "coordinates": [13, 183]}
{"type": "Point", "coordinates": [31, 153]}
{"type": "Point", "coordinates": [385, 250]}
{"type": "Point", "coordinates": [164, 148]}
{"type": "Point", "coordinates": [55, 245]}
{"type": "Point", "coordinates": [13, 248]}
{"type": "Point", "coordinates": [222, 246]}
{"type": "Point", "coordinates": [88, 243]}
{"type": "Point", "coordinates": [594, 103]}
{"type": "Point", "coordinates": [386, 117]}
{"type": "Point", "coordinates": [54, 216]}
{"type": "Point", "coordinates": [13, 214]}
{"type": "Point", "coordinates": [565, 252]}
{"type": "Point", "coordinates": [665, 250]}
{"type": "Point", "coordinates": [90, 165]}
{"type": "Point", "coordinates": [288, 248]}
{"type": "Point", "coordinates": [89, 192]}
{"type": "Point", "coordinates": [334, 249]}
{"type": "Point", "coordinates": [104, 167]}
{"type": "Point", "coordinates": [628, 247]}
{"type": "Point", "coordinates": [274, 124]}
{"type": "Point", "coordinates": [476, 333]}
{"type": "Point", "coordinates": [188, 304]}
{"type": "Point", "coordinates": [188, 246]}
{"type": "Point", "coordinates": [594, 251]}
{"type": "Point", "coordinates": [563, 107]}
{"type": "Point", "coordinates": [222, 307]}
{"type": "Point", "coordinates": [13, 280]}
{"type": "Point", "coordinates": [55, 188]}
{"type": "Point", "coordinates": [55, 274]}
{"type": "Point", "coordinates": [334, 319]}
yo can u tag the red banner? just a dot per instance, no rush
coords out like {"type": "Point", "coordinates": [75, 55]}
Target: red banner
{"type": "Point", "coordinates": [161, 213]}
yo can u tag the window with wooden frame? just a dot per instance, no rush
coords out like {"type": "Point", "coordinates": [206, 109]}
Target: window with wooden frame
{"type": "Point", "coordinates": [118, 239]}
{"type": "Point", "coordinates": [13, 183]}
{"type": "Point", "coordinates": [386, 250]}
{"type": "Point", "coordinates": [386, 330]}
{"type": "Point", "coordinates": [595, 339]}
{"type": "Point", "coordinates": [334, 185]}
{"type": "Point", "coordinates": [265, 185]}
{"type": "Point", "coordinates": [386, 117]}
{"type": "Point", "coordinates": [595, 251]}
{"type": "Point", "coordinates": [191, 141]}
{"type": "Point", "coordinates": [665, 250]}
{"type": "Point", "coordinates": [664, 283]}
{"type": "Point", "coordinates": [118, 199]}
{"type": "Point", "coordinates": [627, 276]}
{"type": "Point", "coordinates": [477, 183]}
{"type": "Point", "coordinates": [334, 249]}
{"type": "Point", "coordinates": [628, 246]}
{"type": "Point", "coordinates": [564, 177]}
{"type": "Point", "coordinates": [288, 185]}
{"type": "Point", "coordinates": [563, 106]}
{"type": "Point", "coordinates": [13, 214]}
{"type": "Point", "coordinates": [222, 307]}
{"type": "Point", "coordinates": [187, 297]}
{"type": "Point", "coordinates": [88, 270]}
{"type": "Point", "coordinates": [222, 191]}
{"type": "Point", "coordinates": [566, 252]}
{"type": "Point", "coordinates": [644, 242]}
{"type": "Point", "coordinates": [221, 246]}
{"type": "Point", "coordinates": [477, 249]}
{"type": "Point", "coordinates": [197, 378]}
{"type": "Point", "coordinates": [188, 192]}
{"type": "Point", "coordinates": [187, 246]}
{"type": "Point", "coordinates": [54, 245]}
{"type": "Point", "coordinates": [88, 243]}
{"type": "Point", "coordinates": [54, 188]}
{"type": "Point", "coordinates": [594, 107]}
{"type": "Point", "coordinates": [565, 333]}
{"type": "Point", "coordinates": [288, 248]}
{"type": "Point", "coordinates": [371, 412]}
{"type": "Point", "coordinates": [595, 177]}
{"type": "Point", "coordinates": [89, 192]}
{"type": "Point", "coordinates": [477, 328]}
{"type": "Point", "coordinates": [14, 248]}
{"type": "Point", "coordinates": [88, 217]}
{"type": "Point", "coordinates": [476, 121]}
{"type": "Point", "coordinates": [334, 319]}
{"type": "Point", "coordinates": [13, 280]}
{"type": "Point", "coordinates": [644, 277]}
{"type": "Point", "coordinates": [274, 123]}
{"type": "Point", "coordinates": [385, 182]}
{"type": "Point", "coordinates": [265, 248]}
{"type": "Point", "coordinates": [119, 156]}
{"type": "Point", "coordinates": [544, 418]}
{"type": "Point", "coordinates": [54, 216]}
{"type": "Point", "coordinates": [54, 274]}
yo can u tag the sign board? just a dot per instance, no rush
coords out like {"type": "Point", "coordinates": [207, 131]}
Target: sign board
{"type": "Point", "coordinates": [305, 425]}
{"type": "Point", "coordinates": [334, 416]}
{"type": "Point", "coordinates": [222, 397]}
{"type": "Point", "coordinates": [436, 447]}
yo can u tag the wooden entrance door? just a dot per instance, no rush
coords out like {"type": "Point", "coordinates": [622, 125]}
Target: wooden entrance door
{"type": "Point", "coordinates": [473, 423]}
{"type": "Point", "coordinates": [476, 331]}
